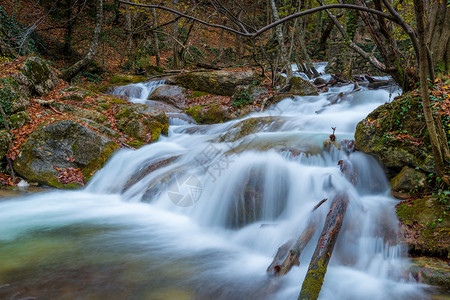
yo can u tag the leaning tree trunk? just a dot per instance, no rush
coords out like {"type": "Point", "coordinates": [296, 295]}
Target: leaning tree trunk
{"type": "Point", "coordinates": [319, 262]}
{"type": "Point", "coordinates": [74, 69]}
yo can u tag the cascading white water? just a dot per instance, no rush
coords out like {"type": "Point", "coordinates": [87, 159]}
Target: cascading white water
{"type": "Point", "coordinates": [129, 235]}
{"type": "Point", "coordinates": [138, 92]}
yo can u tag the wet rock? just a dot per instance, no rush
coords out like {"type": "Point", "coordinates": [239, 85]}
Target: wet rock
{"type": "Point", "coordinates": [301, 87]}
{"type": "Point", "coordinates": [407, 180]}
{"type": "Point", "coordinates": [252, 125]}
{"type": "Point", "coordinates": [425, 226]}
{"type": "Point", "coordinates": [142, 122]}
{"type": "Point", "coordinates": [216, 82]}
{"type": "Point", "coordinates": [319, 81]}
{"type": "Point", "coordinates": [250, 203]}
{"type": "Point", "coordinates": [431, 271]}
{"type": "Point", "coordinates": [173, 94]}
{"type": "Point", "coordinates": [210, 114]}
{"type": "Point", "coordinates": [62, 145]}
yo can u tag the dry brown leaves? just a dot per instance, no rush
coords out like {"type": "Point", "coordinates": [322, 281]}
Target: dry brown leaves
{"type": "Point", "coordinates": [70, 175]}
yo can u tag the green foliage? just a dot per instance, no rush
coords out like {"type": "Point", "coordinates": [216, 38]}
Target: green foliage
{"type": "Point", "coordinates": [243, 98]}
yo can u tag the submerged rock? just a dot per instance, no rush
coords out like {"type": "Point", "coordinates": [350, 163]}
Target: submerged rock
{"type": "Point", "coordinates": [432, 271]}
{"type": "Point", "coordinates": [252, 125]}
{"type": "Point", "coordinates": [59, 146]}
{"type": "Point", "coordinates": [215, 82]}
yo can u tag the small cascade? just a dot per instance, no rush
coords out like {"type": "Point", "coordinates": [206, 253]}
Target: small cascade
{"type": "Point", "coordinates": [200, 215]}
{"type": "Point", "coordinates": [138, 92]}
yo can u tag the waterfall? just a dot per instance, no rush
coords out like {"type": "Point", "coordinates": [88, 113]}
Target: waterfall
{"type": "Point", "coordinates": [198, 215]}
{"type": "Point", "coordinates": [138, 92]}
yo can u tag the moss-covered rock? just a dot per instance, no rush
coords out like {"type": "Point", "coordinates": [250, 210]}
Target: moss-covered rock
{"type": "Point", "coordinates": [408, 180]}
{"type": "Point", "coordinates": [142, 122]}
{"type": "Point", "coordinates": [301, 87]}
{"type": "Point", "coordinates": [425, 225]}
{"type": "Point", "coordinates": [215, 82]}
{"type": "Point", "coordinates": [36, 77]}
{"type": "Point", "coordinates": [80, 112]}
{"type": "Point", "coordinates": [210, 114]}
{"type": "Point", "coordinates": [75, 93]}
{"type": "Point", "coordinates": [395, 134]}
{"type": "Point", "coordinates": [12, 98]}
{"type": "Point", "coordinates": [126, 79]}
{"type": "Point", "coordinates": [431, 271]}
{"type": "Point", "coordinates": [60, 146]}
{"type": "Point", "coordinates": [5, 140]}
{"type": "Point", "coordinates": [251, 125]}
{"type": "Point", "coordinates": [19, 119]}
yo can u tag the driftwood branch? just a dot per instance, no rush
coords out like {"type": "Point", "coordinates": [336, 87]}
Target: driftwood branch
{"type": "Point", "coordinates": [316, 272]}
{"type": "Point", "coordinates": [288, 254]}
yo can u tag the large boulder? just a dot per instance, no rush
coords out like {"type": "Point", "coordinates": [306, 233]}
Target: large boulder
{"type": "Point", "coordinates": [173, 94]}
{"type": "Point", "coordinates": [36, 77]}
{"type": "Point", "coordinates": [378, 136]}
{"type": "Point", "coordinates": [210, 114]}
{"type": "Point", "coordinates": [425, 227]}
{"type": "Point", "coordinates": [217, 82]}
{"type": "Point", "coordinates": [56, 149]}
{"type": "Point", "coordinates": [301, 87]}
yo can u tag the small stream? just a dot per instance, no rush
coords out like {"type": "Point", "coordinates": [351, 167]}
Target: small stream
{"type": "Point", "coordinates": [199, 215]}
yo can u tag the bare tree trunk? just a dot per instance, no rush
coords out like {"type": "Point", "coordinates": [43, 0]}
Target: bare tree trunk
{"type": "Point", "coordinates": [438, 33]}
{"type": "Point", "coordinates": [73, 70]}
{"type": "Point", "coordinates": [155, 39]}
{"type": "Point", "coordinates": [175, 46]}
{"type": "Point", "coordinates": [280, 38]}
{"type": "Point", "coordinates": [305, 53]}
{"type": "Point", "coordinates": [427, 111]}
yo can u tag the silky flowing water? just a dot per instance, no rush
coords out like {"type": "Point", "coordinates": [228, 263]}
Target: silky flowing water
{"type": "Point", "coordinates": [198, 215]}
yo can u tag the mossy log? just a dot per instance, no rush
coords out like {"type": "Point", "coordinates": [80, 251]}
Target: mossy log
{"type": "Point", "coordinates": [316, 272]}
{"type": "Point", "coordinates": [288, 254]}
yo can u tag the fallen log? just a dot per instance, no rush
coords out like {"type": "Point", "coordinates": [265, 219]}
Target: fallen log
{"type": "Point", "coordinates": [288, 254]}
{"type": "Point", "coordinates": [319, 262]}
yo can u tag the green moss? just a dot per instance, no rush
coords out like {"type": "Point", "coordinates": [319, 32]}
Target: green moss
{"type": "Point", "coordinates": [70, 186]}
{"type": "Point", "coordinates": [197, 94]}
{"type": "Point", "coordinates": [123, 113]}
{"type": "Point", "coordinates": [136, 144]}
{"type": "Point", "coordinates": [126, 79]}
{"type": "Point", "coordinates": [427, 223]}
{"type": "Point", "coordinates": [313, 281]}
{"type": "Point", "coordinates": [117, 101]}
{"type": "Point", "coordinates": [195, 113]}
{"type": "Point", "coordinates": [96, 164]}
